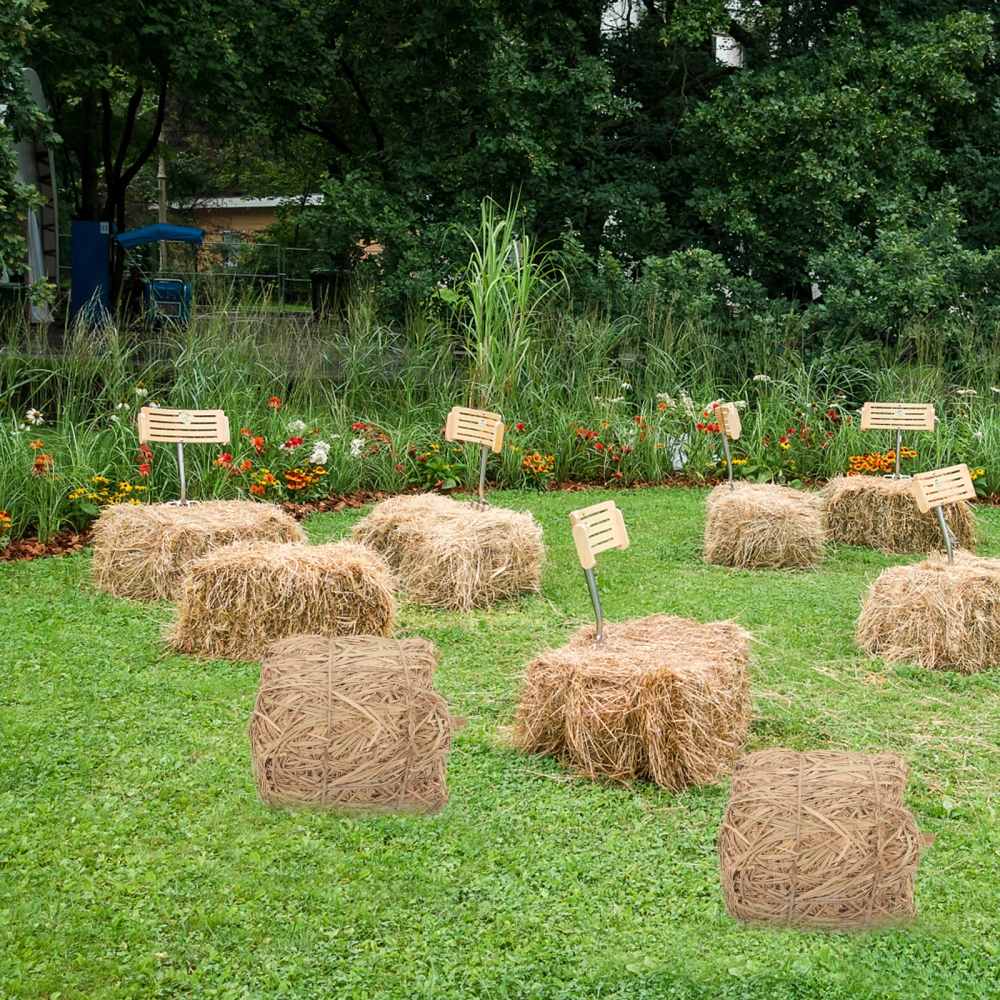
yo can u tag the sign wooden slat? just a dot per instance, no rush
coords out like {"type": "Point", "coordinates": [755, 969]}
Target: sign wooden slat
{"type": "Point", "coordinates": [943, 486]}
{"type": "Point", "coordinates": [183, 426]}
{"type": "Point", "coordinates": [897, 416]}
{"type": "Point", "coordinates": [596, 529]}
{"type": "Point", "coordinates": [478, 426]}
{"type": "Point", "coordinates": [729, 420]}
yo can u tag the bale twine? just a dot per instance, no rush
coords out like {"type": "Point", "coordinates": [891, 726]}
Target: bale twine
{"type": "Point", "coordinates": [352, 725]}
{"type": "Point", "coordinates": [141, 551]}
{"type": "Point", "coordinates": [238, 600]}
{"type": "Point", "coordinates": [455, 555]}
{"type": "Point", "coordinates": [661, 698]}
{"type": "Point", "coordinates": [762, 526]}
{"type": "Point", "coordinates": [882, 514]}
{"type": "Point", "coordinates": [819, 840]}
{"type": "Point", "coordinates": [943, 617]}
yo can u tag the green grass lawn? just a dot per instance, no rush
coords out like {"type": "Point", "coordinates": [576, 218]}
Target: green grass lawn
{"type": "Point", "coordinates": [136, 861]}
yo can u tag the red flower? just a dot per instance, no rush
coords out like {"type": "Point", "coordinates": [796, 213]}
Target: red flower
{"type": "Point", "coordinates": [715, 406]}
{"type": "Point", "coordinates": [615, 459]}
{"type": "Point", "coordinates": [225, 460]}
{"type": "Point", "coordinates": [704, 413]}
{"type": "Point", "coordinates": [293, 442]}
{"type": "Point", "coordinates": [274, 403]}
{"type": "Point", "coordinates": [848, 419]}
{"type": "Point", "coordinates": [399, 468]}
{"type": "Point", "coordinates": [628, 450]}
{"type": "Point", "coordinates": [145, 452]}
{"type": "Point", "coordinates": [245, 431]}
{"type": "Point", "coordinates": [618, 475]}
{"type": "Point", "coordinates": [246, 465]}
{"type": "Point", "coordinates": [791, 430]}
{"type": "Point", "coordinates": [831, 413]}
{"type": "Point", "coordinates": [258, 443]}
{"type": "Point", "coordinates": [422, 458]}
{"type": "Point", "coordinates": [144, 469]}
{"type": "Point", "coordinates": [783, 439]}
{"type": "Point", "coordinates": [638, 420]}
{"type": "Point", "coordinates": [700, 427]}
{"type": "Point", "coordinates": [599, 446]}
{"type": "Point", "coordinates": [519, 427]}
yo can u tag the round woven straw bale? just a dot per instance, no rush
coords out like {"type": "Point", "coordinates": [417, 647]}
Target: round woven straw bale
{"type": "Point", "coordinates": [819, 840]}
{"type": "Point", "coordinates": [943, 617]}
{"type": "Point", "coordinates": [141, 551]}
{"type": "Point", "coordinates": [661, 698]}
{"type": "Point", "coordinates": [351, 724]}
{"type": "Point", "coordinates": [454, 555]}
{"type": "Point", "coordinates": [238, 600]}
{"type": "Point", "coordinates": [761, 526]}
{"type": "Point", "coordinates": [882, 514]}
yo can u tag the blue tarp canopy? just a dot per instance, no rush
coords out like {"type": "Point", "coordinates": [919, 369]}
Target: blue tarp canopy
{"type": "Point", "coordinates": [161, 231]}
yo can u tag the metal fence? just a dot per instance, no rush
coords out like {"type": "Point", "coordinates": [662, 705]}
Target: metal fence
{"type": "Point", "coordinates": [220, 268]}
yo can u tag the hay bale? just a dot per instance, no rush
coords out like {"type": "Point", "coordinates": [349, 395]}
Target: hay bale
{"type": "Point", "coordinates": [454, 555]}
{"type": "Point", "coordinates": [819, 840]}
{"type": "Point", "coordinates": [882, 514]}
{"type": "Point", "coordinates": [351, 724]}
{"type": "Point", "coordinates": [662, 698]}
{"type": "Point", "coordinates": [943, 617]}
{"type": "Point", "coordinates": [141, 551]}
{"type": "Point", "coordinates": [237, 601]}
{"type": "Point", "coordinates": [762, 526]}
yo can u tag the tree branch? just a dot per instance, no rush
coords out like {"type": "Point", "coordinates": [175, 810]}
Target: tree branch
{"type": "Point", "coordinates": [331, 137]}
{"type": "Point", "coordinates": [365, 106]}
{"type": "Point", "coordinates": [154, 139]}
{"type": "Point", "coordinates": [112, 177]}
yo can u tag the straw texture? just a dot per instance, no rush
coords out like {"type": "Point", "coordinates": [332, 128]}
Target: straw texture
{"type": "Point", "coordinates": [882, 514]}
{"type": "Point", "coordinates": [819, 840]}
{"type": "Point", "coordinates": [351, 724]}
{"type": "Point", "coordinates": [943, 617]}
{"type": "Point", "coordinates": [453, 555]}
{"type": "Point", "coordinates": [762, 526]}
{"type": "Point", "coordinates": [141, 551]}
{"type": "Point", "coordinates": [661, 698]}
{"type": "Point", "coordinates": [238, 600]}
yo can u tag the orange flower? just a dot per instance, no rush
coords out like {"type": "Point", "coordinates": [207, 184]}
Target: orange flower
{"type": "Point", "coordinates": [274, 403]}
{"type": "Point", "coordinates": [257, 490]}
{"type": "Point", "coordinates": [37, 444]}
{"type": "Point", "coordinates": [246, 465]}
{"type": "Point", "coordinates": [258, 443]}
{"type": "Point", "coordinates": [245, 431]}
{"type": "Point", "coordinates": [144, 469]}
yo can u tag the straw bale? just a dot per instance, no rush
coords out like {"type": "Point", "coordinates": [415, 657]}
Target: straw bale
{"type": "Point", "coordinates": [763, 526]}
{"type": "Point", "coordinates": [943, 617]}
{"type": "Point", "coordinates": [819, 840]}
{"type": "Point", "coordinates": [662, 698]}
{"type": "Point", "coordinates": [455, 555]}
{"type": "Point", "coordinates": [351, 724]}
{"type": "Point", "coordinates": [238, 600]}
{"type": "Point", "coordinates": [141, 551]}
{"type": "Point", "coordinates": [882, 514]}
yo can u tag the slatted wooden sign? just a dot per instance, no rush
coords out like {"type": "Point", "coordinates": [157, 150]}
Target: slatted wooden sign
{"type": "Point", "coordinates": [596, 529]}
{"type": "Point", "coordinates": [943, 486]}
{"type": "Point", "coordinates": [183, 426]}
{"type": "Point", "coordinates": [729, 420]}
{"type": "Point", "coordinates": [897, 416]}
{"type": "Point", "coordinates": [479, 426]}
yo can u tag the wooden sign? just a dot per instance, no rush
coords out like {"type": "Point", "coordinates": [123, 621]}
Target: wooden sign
{"type": "Point", "coordinates": [944, 486]}
{"type": "Point", "coordinates": [479, 426]}
{"type": "Point", "coordinates": [729, 420]}
{"type": "Point", "coordinates": [596, 529]}
{"type": "Point", "coordinates": [897, 416]}
{"type": "Point", "coordinates": [183, 426]}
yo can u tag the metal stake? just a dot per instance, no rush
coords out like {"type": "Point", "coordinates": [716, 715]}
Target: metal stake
{"type": "Point", "coordinates": [180, 468]}
{"type": "Point", "coordinates": [947, 536]}
{"type": "Point", "coordinates": [482, 475]}
{"type": "Point", "coordinates": [592, 587]}
{"type": "Point", "coordinates": [729, 459]}
{"type": "Point", "coordinates": [899, 450]}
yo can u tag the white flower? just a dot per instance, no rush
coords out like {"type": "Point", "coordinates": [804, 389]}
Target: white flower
{"type": "Point", "coordinates": [33, 418]}
{"type": "Point", "coordinates": [334, 437]}
{"type": "Point", "coordinates": [740, 404]}
{"type": "Point", "coordinates": [598, 399]}
{"type": "Point", "coordinates": [667, 399]}
{"type": "Point", "coordinates": [978, 434]}
{"type": "Point", "coordinates": [155, 406]}
{"type": "Point", "coordinates": [966, 392]}
{"type": "Point", "coordinates": [320, 453]}
{"type": "Point", "coordinates": [616, 399]}
{"type": "Point", "coordinates": [688, 403]}
{"type": "Point", "coordinates": [762, 378]}
{"type": "Point", "coordinates": [357, 447]}
{"type": "Point", "coordinates": [140, 392]}
{"type": "Point", "coordinates": [113, 419]}
{"type": "Point", "coordinates": [297, 425]}
{"type": "Point", "coordinates": [626, 385]}
{"type": "Point", "coordinates": [120, 406]}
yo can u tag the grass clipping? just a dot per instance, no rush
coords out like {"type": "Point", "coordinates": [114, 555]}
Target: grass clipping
{"type": "Point", "coordinates": [661, 698]}
{"type": "Point", "coordinates": [237, 601]}
{"type": "Point", "coordinates": [762, 526]}
{"type": "Point", "coordinates": [882, 514]}
{"type": "Point", "coordinates": [351, 724]}
{"type": "Point", "coordinates": [141, 551]}
{"type": "Point", "coordinates": [943, 617]}
{"type": "Point", "coordinates": [453, 555]}
{"type": "Point", "coordinates": [819, 840]}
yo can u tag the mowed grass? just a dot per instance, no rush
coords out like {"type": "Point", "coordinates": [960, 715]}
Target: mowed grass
{"type": "Point", "coordinates": [136, 861]}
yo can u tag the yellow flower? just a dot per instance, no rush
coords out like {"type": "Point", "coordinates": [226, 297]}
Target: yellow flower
{"type": "Point", "coordinates": [784, 447]}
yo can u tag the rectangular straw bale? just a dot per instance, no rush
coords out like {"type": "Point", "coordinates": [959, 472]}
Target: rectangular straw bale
{"type": "Point", "coordinates": [141, 551]}
{"type": "Point", "coordinates": [237, 601]}
{"type": "Point", "coordinates": [764, 526]}
{"type": "Point", "coordinates": [819, 840]}
{"type": "Point", "coordinates": [880, 513]}
{"type": "Point", "coordinates": [351, 724]}
{"type": "Point", "coordinates": [662, 698]}
{"type": "Point", "coordinates": [454, 555]}
{"type": "Point", "coordinates": [942, 617]}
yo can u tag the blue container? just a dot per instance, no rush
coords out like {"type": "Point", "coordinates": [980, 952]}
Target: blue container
{"type": "Point", "coordinates": [91, 248]}
{"type": "Point", "coordinates": [169, 301]}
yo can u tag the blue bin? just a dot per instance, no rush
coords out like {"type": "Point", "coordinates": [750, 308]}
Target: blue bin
{"type": "Point", "coordinates": [169, 301]}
